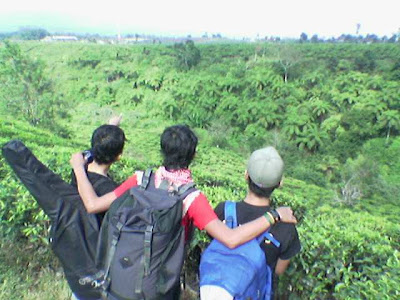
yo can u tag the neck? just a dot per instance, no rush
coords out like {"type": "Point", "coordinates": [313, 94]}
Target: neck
{"type": "Point", "coordinates": [253, 199]}
{"type": "Point", "coordinates": [94, 167]}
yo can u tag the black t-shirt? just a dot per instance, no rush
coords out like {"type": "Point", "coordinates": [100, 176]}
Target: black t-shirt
{"type": "Point", "coordinates": [285, 233]}
{"type": "Point", "coordinates": [101, 184]}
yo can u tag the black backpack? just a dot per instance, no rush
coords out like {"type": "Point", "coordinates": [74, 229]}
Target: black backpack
{"type": "Point", "coordinates": [142, 242]}
{"type": "Point", "coordinates": [74, 232]}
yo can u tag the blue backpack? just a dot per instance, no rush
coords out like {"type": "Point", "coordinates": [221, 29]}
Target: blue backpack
{"type": "Point", "coordinates": [242, 271]}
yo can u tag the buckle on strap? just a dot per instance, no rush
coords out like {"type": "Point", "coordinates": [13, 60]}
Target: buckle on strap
{"type": "Point", "coordinates": [271, 238]}
{"type": "Point", "coordinates": [230, 214]}
{"type": "Point", "coordinates": [145, 260]}
{"type": "Point", "coordinates": [148, 235]}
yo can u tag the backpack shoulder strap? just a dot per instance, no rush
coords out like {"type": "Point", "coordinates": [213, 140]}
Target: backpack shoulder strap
{"type": "Point", "coordinates": [231, 222]}
{"type": "Point", "coordinates": [146, 179]}
{"type": "Point", "coordinates": [230, 214]}
{"type": "Point", "coordinates": [184, 188]}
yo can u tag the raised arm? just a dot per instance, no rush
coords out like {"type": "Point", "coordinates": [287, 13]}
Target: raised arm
{"type": "Point", "coordinates": [116, 120]}
{"type": "Point", "coordinates": [244, 233]}
{"type": "Point", "coordinates": [92, 202]}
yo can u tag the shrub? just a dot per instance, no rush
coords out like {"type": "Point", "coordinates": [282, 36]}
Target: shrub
{"type": "Point", "coordinates": [345, 255]}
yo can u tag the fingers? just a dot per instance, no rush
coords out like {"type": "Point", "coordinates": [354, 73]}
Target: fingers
{"type": "Point", "coordinates": [115, 120]}
{"type": "Point", "coordinates": [293, 219]}
{"type": "Point", "coordinates": [77, 160]}
{"type": "Point", "coordinates": [286, 214]}
{"type": "Point", "coordinates": [290, 218]}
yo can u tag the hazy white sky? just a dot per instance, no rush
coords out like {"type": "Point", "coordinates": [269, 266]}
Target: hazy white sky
{"type": "Point", "coordinates": [228, 17]}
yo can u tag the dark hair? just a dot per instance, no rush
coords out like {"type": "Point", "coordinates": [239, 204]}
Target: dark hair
{"type": "Point", "coordinates": [107, 143]}
{"type": "Point", "coordinates": [260, 192]}
{"type": "Point", "coordinates": [178, 146]}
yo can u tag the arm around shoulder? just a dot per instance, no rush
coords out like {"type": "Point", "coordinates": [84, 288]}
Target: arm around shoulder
{"type": "Point", "coordinates": [92, 202]}
{"type": "Point", "coordinates": [242, 234]}
{"type": "Point", "coordinates": [233, 238]}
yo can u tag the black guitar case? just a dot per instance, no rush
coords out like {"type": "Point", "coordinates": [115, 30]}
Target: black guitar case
{"type": "Point", "coordinates": [74, 232]}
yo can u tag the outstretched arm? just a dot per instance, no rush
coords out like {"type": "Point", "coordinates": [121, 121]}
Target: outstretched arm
{"type": "Point", "coordinates": [244, 233]}
{"type": "Point", "coordinates": [92, 202]}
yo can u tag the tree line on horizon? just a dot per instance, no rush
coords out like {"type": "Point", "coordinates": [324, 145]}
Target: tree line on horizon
{"type": "Point", "coordinates": [33, 33]}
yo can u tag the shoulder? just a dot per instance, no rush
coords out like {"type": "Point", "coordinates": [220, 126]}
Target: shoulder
{"type": "Point", "coordinates": [220, 210]}
{"type": "Point", "coordinates": [196, 197]}
{"type": "Point", "coordinates": [127, 184]}
{"type": "Point", "coordinates": [137, 176]}
{"type": "Point", "coordinates": [199, 209]}
{"type": "Point", "coordinates": [287, 235]}
{"type": "Point", "coordinates": [220, 206]}
{"type": "Point", "coordinates": [286, 229]}
{"type": "Point", "coordinates": [101, 184]}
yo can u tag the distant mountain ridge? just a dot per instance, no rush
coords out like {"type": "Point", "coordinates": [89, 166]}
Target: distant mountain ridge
{"type": "Point", "coordinates": [52, 22]}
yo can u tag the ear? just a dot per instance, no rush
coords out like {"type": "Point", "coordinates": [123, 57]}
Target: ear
{"type": "Point", "coordinates": [118, 157]}
{"type": "Point", "coordinates": [246, 175]}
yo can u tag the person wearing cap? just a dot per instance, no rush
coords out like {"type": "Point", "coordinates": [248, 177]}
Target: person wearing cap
{"type": "Point", "coordinates": [264, 174]}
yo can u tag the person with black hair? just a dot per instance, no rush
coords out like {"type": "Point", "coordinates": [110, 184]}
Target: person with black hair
{"type": "Point", "coordinates": [178, 147]}
{"type": "Point", "coordinates": [264, 174]}
{"type": "Point", "coordinates": [107, 144]}
{"type": "Point", "coordinates": [74, 232]}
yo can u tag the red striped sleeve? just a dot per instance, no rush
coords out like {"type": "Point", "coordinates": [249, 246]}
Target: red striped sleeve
{"type": "Point", "coordinates": [126, 185]}
{"type": "Point", "coordinates": [201, 212]}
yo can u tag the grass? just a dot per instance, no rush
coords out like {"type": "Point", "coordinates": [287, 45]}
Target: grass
{"type": "Point", "coordinates": [30, 272]}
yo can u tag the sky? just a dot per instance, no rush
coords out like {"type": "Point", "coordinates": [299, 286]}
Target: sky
{"type": "Point", "coordinates": [230, 18]}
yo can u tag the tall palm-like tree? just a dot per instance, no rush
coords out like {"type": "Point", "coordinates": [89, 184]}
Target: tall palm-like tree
{"type": "Point", "coordinates": [320, 108]}
{"type": "Point", "coordinates": [390, 120]}
{"type": "Point", "coordinates": [312, 138]}
{"type": "Point", "coordinates": [295, 121]}
{"type": "Point", "coordinates": [332, 125]}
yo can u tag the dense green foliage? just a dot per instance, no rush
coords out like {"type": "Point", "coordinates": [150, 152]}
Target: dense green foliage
{"type": "Point", "coordinates": [27, 89]}
{"type": "Point", "coordinates": [332, 110]}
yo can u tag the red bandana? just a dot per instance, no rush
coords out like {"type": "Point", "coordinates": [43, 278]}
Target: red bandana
{"type": "Point", "coordinates": [177, 177]}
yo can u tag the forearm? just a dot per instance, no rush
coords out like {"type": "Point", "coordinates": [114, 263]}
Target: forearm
{"type": "Point", "coordinates": [242, 234]}
{"type": "Point", "coordinates": [239, 235]}
{"type": "Point", "coordinates": [85, 189]}
{"type": "Point", "coordinates": [281, 266]}
{"type": "Point", "coordinates": [92, 202]}
{"type": "Point", "coordinates": [248, 231]}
